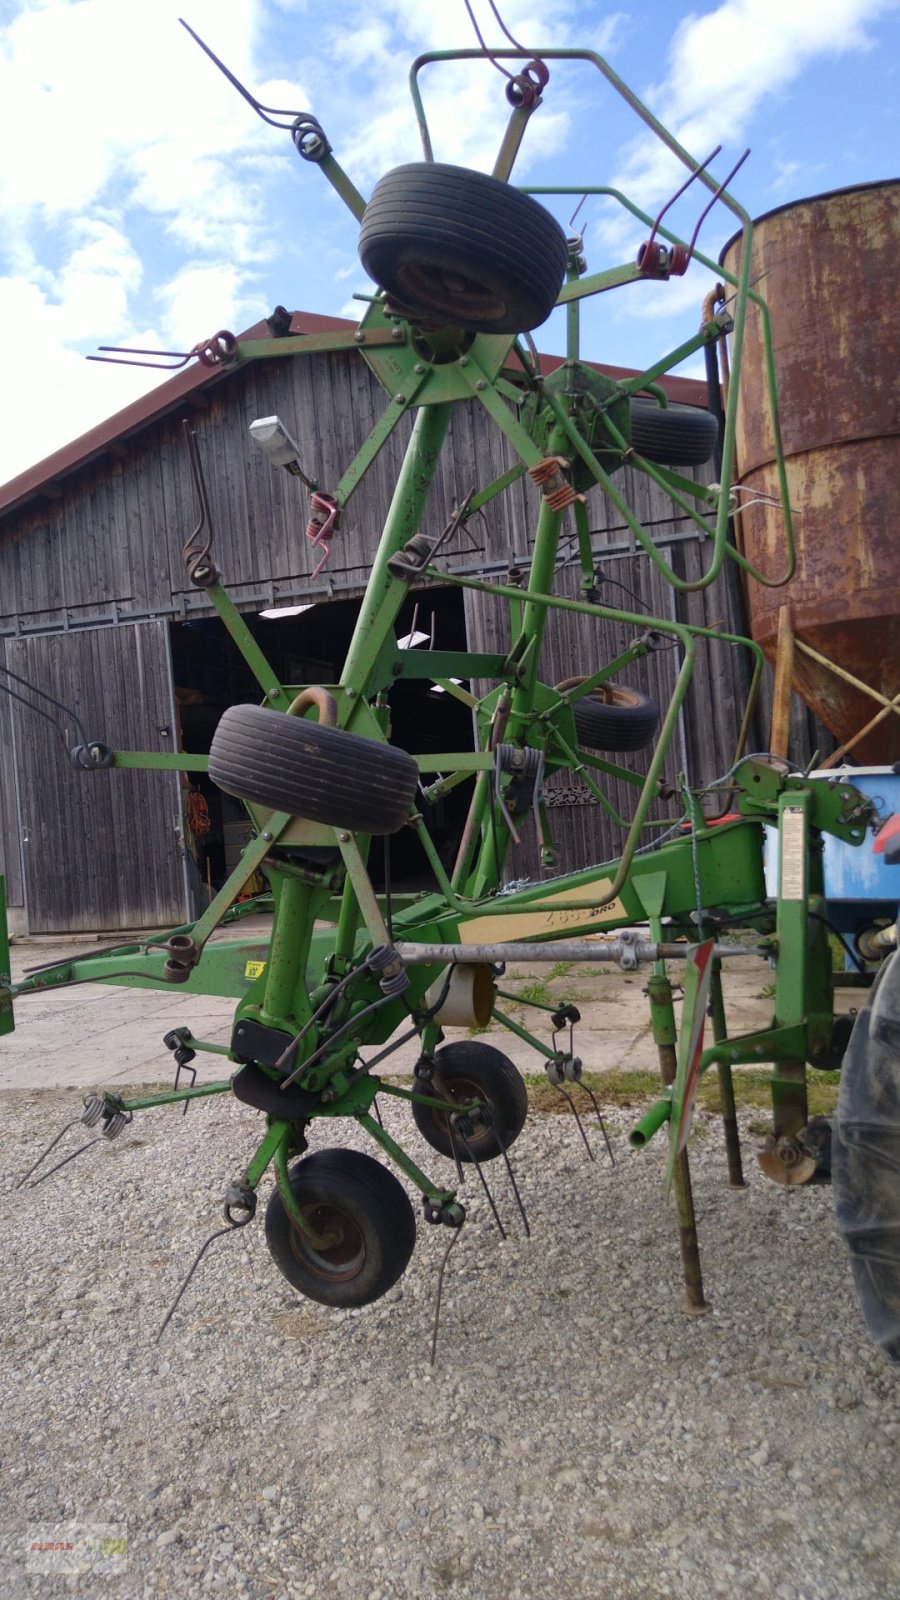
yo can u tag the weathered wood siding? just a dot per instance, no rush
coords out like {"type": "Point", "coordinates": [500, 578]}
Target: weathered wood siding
{"type": "Point", "coordinates": [110, 547]}
{"type": "Point", "coordinates": [10, 829]}
{"type": "Point", "coordinates": [101, 849]}
{"type": "Point", "coordinates": [106, 555]}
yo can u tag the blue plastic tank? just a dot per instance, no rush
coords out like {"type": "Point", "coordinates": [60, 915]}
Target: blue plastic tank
{"type": "Point", "coordinates": [859, 887]}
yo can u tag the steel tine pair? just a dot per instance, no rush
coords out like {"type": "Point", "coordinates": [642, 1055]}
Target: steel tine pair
{"type": "Point", "coordinates": [574, 1110]}
{"type": "Point", "coordinates": [52, 1146]}
{"type": "Point", "coordinates": [593, 1099]}
{"type": "Point", "coordinates": [454, 1135]}
{"type": "Point", "coordinates": [509, 1173]}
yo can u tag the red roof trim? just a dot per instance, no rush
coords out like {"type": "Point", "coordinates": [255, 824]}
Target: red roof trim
{"type": "Point", "coordinates": [149, 408]}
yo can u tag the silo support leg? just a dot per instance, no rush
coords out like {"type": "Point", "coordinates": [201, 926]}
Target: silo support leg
{"type": "Point", "coordinates": [780, 735]}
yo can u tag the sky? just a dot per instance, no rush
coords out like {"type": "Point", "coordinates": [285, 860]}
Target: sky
{"type": "Point", "coordinates": [143, 203]}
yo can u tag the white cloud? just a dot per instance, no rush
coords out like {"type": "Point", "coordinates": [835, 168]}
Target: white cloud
{"type": "Point", "coordinates": [611, 233]}
{"type": "Point", "coordinates": [90, 85]}
{"type": "Point", "coordinates": [693, 367]}
{"type": "Point", "coordinates": [102, 100]}
{"type": "Point", "coordinates": [114, 125]}
{"type": "Point", "coordinates": [143, 203]}
{"type": "Point", "coordinates": [199, 294]}
{"type": "Point", "coordinates": [655, 301]}
{"type": "Point", "coordinates": [788, 174]}
{"type": "Point", "coordinates": [723, 64]}
{"type": "Point", "coordinates": [465, 103]}
{"type": "Point", "coordinates": [97, 279]}
{"type": "Point", "coordinates": [59, 395]}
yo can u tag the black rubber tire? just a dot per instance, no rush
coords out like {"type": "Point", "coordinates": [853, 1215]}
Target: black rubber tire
{"type": "Point", "coordinates": [865, 1159]}
{"type": "Point", "coordinates": [613, 717]}
{"type": "Point", "coordinates": [369, 1213]}
{"type": "Point", "coordinates": [292, 764]}
{"type": "Point", "coordinates": [462, 247]}
{"type": "Point", "coordinates": [832, 1058]}
{"type": "Point", "coordinates": [673, 436]}
{"type": "Point", "coordinates": [466, 1071]}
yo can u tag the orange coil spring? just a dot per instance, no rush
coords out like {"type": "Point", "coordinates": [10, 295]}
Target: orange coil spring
{"type": "Point", "coordinates": [321, 526]}
{"type": "Point", "coordinates": [549, 471]}
{"type": "Point", "coordinates": [546, 469]}
{"type": "Point", "coordinates": [197, 813]}
{"type": "Point", "coordinates": [559, 499]}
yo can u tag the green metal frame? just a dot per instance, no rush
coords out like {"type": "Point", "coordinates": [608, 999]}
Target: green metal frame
{"type": "Point", "coordinates": [327, 923]}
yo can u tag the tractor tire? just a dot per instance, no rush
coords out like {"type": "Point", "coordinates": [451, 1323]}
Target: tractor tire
{"type": "Point", "coordinates": [613, 717]}
{"type": "Point", "coordinates": [322, 773]}
{"type": "Point", "coordinates": [365, 1223]}
{"type": "Point", "coordinates": [865, 1160]}
{"type": "Point", "coordinates": [466, 249]}
{"type": "Point", "coordinates": [467, 1071]}
{"type": "Point", "coordinates": [673, 436]}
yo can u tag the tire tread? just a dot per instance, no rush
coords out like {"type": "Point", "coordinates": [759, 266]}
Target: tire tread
{"type": "Point", "coordinates": [321, 773]}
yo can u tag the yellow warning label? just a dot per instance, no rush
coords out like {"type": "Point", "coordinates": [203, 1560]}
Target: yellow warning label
{"type": "Point", "coordinates": [793, 854]}
{"type": "Point", "coordinates": [521, 924]}
{"type": "Point", "coordinates": [254, 969]}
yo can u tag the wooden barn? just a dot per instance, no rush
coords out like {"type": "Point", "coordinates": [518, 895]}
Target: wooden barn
{"type": "Point", "coordinates": [103, 636]}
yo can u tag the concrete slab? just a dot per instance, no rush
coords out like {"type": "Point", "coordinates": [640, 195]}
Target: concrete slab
{"type": "Point", "coordinates": [95, 1036]}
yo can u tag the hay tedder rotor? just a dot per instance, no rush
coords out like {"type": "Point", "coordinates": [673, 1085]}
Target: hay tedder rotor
{"type": "Point", "coordinates": [465, 267]}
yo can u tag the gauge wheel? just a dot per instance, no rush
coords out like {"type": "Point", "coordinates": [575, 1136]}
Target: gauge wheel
{"type": "Point", "coordinates": [462, 247]}
{"type": "Point", "coordinates": [673, 436]}
{"type": "Point", "coordinates": [865, 1158]}
{"type": "Point", "coordinates": [613, 717]}
{"type": "Point", "coordinates": [362, 1229]}
{"type": "Point", "coordinates": [322, 773]}
{"type": "Point", "coordinates": [464, 1072]}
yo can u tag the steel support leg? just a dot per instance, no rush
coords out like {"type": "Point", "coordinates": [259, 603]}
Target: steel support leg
{"type": "Point", "coordinates": [662, 1018]}
{"type": "Point", "coordinates": [726, 1085]}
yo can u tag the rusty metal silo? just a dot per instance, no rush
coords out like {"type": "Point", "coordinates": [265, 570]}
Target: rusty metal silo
{"type": "Point", "coordinates": [828, 269]}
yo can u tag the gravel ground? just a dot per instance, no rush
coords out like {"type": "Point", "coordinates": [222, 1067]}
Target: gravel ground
{"type": "Point", "coordinates": [578, 1437]}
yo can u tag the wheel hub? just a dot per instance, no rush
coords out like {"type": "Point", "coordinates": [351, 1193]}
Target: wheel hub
{"type": "Point", "coordinates": [785, 1161]}
{"type": "Point", "coordinates": [331, 1244]}
{"type": "Point", "coordinates": [452, 293]}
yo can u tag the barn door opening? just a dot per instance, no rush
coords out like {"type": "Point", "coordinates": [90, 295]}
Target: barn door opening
{"type": "Point", "coordinates": [101, 850]}
{"type": "Point", "coordinates": [310, 648]}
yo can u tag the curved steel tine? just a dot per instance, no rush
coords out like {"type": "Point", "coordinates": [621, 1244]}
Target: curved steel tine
{"type": "Point", "coordinates": [44, 1153]}
{"type": "Point", "coordinates": [576, 211]}
{"type": "Point", "coordinates": [484, 1183]}
{"type": "Point", "coordinates": [679, 192]}
{"type": "Point", "coordinates": [65, 1162]}
{"type": "Point", "coordinates": [452, 1138]}
{"type": "Point", "coordinates": [515, 1189]}
{"type": "Point", "coordinates": [723, 185]}
{"type": "Point", "coordinates": [592, 1097]}
{"type": "Point", "coordinates": [230, 1228]}
{"type": "Point", "coordinates": [574, 1110]}
{"type": "Point", "coordinates": [60, 706]}
{"type": "Point", "coordinates": [268, 113]}
{"type": "Point", "coordinates": [440, 1287]}
{"type": "Point", "coordinates": [185, 1067]}
{"type": "Point", "coordinates": [194, 554]}
{"type": "Point", "coordinates": [118, 355]}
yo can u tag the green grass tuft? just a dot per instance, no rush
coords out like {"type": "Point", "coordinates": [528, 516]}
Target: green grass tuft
{"type": "Point", "coordinates": [752, 1091]}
